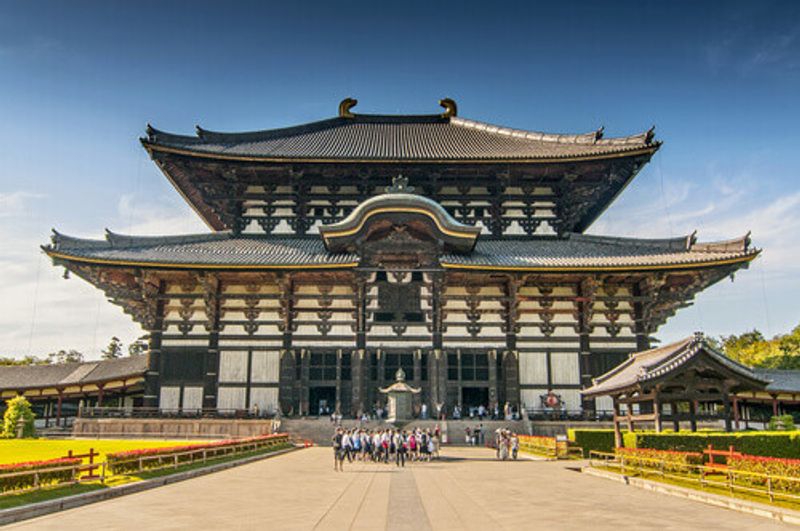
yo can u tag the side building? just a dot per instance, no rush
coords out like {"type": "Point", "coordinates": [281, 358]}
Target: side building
{"type": "Point", "coordinates": [343, 250]}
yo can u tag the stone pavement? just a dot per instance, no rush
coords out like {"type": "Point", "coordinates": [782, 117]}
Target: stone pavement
{"type": "Point", "coordinates": [469, 490]}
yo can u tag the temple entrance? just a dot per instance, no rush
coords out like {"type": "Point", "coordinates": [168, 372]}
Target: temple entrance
{"type": "Point", "coordinates": [472, 397]}
{"type": "Point", "coordinates": [322, 400]}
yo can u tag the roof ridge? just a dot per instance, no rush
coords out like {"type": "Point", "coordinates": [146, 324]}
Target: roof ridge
{"type": "Point", "coordinates": [674, 243]}
{"type": "Point", "coordinates": [589, 138]}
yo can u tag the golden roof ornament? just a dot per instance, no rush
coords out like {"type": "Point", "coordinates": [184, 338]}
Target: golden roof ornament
{"type": "Point", "coordinates": [344, 107]}
{"type": "Point", "coordinates": [400, 375]}
{"type": "Point", "coordinates": [399, 186]}
{"type": "Point", "coordinates": [450, 107]}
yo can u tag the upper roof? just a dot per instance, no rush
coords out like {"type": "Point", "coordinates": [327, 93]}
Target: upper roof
{"type": "Point", "coordinates": [404, 138]}
{"type": "Point", "coordinates": [646, 366]}
{"type": "Point", "coordinates": [18, 377]}
{"type": "Point", "coordinates": [224, 250]}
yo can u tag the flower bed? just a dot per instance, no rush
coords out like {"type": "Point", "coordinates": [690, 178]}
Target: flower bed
{"type": "Point", "coordinates": [538, 444]}
{"type": "Point", "coordinates": [772, 466]}
{"type": "Point", "coordinates": [150, 458]}
{"type": "Point", "coordinates": [672, 461]}
{"type": "Point", "coordinates": [21, 476]}
{"type": "Point", "coordinates": [769, 444]}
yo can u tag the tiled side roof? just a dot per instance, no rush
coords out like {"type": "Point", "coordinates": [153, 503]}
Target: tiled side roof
{"type": "Point", "coordinates": [781, 381]}
{"type": "Point", "coordinates": [69, 374]}
{"type": "Point", "coordinates": [212, 249]}
{"type": "Point", "coordinates": [651, 364]}
{"type": "Point", "coordinates": [583, 250]}
{"type": "Point", "coordinates": [224, 249]}
{"type": "Point", "coordinates": [410, 138]}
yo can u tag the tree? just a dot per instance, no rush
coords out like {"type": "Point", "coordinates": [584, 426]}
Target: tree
{"type": "Point", "coordinates": [138, 347]}
{"type": "Point", "coordinates": [27, 360]}
{"type": "Point", "coordinates": [65, 356]}
{"type": "Point", "coordinates": [19, 414]}
{"type": "Point", "coordinates": [751, 348]}
{"type": "Point", "coordinates": [113, 350]}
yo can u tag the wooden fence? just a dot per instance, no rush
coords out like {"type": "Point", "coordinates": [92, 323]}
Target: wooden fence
{"type": "Point", "coordinates": [769, 486]}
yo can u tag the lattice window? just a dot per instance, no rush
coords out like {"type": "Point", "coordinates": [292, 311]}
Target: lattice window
{"type": "Point", "coordinates": [396, 361]}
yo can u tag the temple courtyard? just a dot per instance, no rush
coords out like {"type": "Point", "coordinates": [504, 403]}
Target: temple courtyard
{"type": "Point", "coordinates": [468, 489]}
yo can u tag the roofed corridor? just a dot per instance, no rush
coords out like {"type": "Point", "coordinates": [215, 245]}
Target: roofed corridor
{"type": "Point", "coordinates": [467, 490]}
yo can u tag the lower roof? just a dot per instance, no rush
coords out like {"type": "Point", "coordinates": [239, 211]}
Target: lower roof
{"type": "Point", "coordinates": [21, 377]}
{"type": "Point", "coordinates": [649, 365]}
{"type": "Point", "coordinates": [224, 250]}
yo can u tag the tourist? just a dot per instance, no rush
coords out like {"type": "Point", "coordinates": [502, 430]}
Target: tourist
{"type": "Point", "coordinates": [457, 412]}
{"type": "Point", "coordinates": [400, 443]}
{"type": "Point", "coordinates": [514, 445]}
{"type": "Point", "coordinates": [424, 411]}
{"type": "Point", "coordinates": [338, 455]}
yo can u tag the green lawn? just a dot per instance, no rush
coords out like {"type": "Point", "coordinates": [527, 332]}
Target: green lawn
{"type": "Point", "coordinates": [16, 500]}
{"type": "Point", "coordinates": [21, 450]}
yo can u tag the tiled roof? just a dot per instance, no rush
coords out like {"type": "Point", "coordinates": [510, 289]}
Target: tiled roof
{"type": "Point", "coordinates": [398, 138]}
{"type": "Point", "coordinates": [781, 381]}
{"type": "Point", "coordinates": [583, 250]}
{"type": "Point", "coordinates": [212, 249]}
{"type": "Point", "coordinates": [69, 374]}
{"type": "Point", "coordinates": [222, 249]}
{"type": "Point", "coordinates": [647, 365]}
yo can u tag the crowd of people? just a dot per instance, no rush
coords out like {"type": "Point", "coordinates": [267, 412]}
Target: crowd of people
{"type": "Point", "coordinates": [384, 446]}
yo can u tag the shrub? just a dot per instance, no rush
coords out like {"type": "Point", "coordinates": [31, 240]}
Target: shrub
{"type": "Point", "coordinates": [18, 413]}
{"type": "Point", "coordinates": [769, 444]}
{"type": "Point", "coordinates": [783, 422]}
{"type": "Point", "coordinates": [599, 440]}
{"type": "Point", "coordinates": [46, 476]}
{"type": "Point", "coordinates": [648, 458]}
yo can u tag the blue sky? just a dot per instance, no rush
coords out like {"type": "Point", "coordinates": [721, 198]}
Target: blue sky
{"type": "Point", "coordinates": [79, 81]}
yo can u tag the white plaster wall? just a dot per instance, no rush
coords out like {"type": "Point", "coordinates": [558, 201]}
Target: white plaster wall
{"type": "Point", "coordinates": [532, 368]}
{"type": "Point", "coordinates": [265, 398]}
{"type": "Point", "coordinates": [231, 398]}
{"type": "Point", "coordinates": [565, 368]}
{"type": "Point", "coordinates": [265, 367]}
{"type": "Point", "coordinates": [233, 366]}
{"type": "Point", "coordinates": [192, 398]}
{"type": "Point", "coordinates": [169, 398]}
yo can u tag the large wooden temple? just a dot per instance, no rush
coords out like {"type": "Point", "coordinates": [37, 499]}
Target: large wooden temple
{"type": "Point", "coordinates": [345, 249]}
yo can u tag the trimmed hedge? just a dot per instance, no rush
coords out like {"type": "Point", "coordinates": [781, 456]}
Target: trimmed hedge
{"type": "Point", "coordinates": [599, 439]}
{"type": "Point", "coordinates": [769, 444]}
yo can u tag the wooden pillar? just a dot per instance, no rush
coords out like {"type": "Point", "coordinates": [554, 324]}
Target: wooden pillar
{"type": "Point", "coordinates": [58, 407]}
{"type": "Point", "coordinates": [774, 405]}
{"type": "Point", "coordinates": [693, 415]}
{"type": "Point", "coordinates": [736, 412]}
{"type": "Point", "coordinates": [617, 431]}
{"type": "Point", "coordinates": [492, 355]}
{"type": "Point", "coordinates": [726, 404]}
{"type": "Point", "coordinates": [630, 415]}
{"type": "Point", "coordinates": [657, 412]}
{"type": "Point", "coordinates": [305, 359]}
{"type": "Point", "coordinates": [676, 423]}
{"type": "Point", "coordinates": [100, 395]}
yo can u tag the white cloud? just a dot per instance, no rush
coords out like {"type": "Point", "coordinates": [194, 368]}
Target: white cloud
{"type": "Point", "coordinates": [42, 312]}
{"type": "Point", "coordinates": [15, 203]}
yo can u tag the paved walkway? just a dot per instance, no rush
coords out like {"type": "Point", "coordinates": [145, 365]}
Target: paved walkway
{"type": "Point", "coordinates": [468, 491]}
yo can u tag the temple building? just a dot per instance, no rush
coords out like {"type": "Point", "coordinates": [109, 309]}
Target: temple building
{"type": "Point", "coordinates": [343, 250]}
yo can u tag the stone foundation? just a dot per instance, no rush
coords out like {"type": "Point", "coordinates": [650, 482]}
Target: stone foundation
{"type": "Point", "coordinates": [171, 428]}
